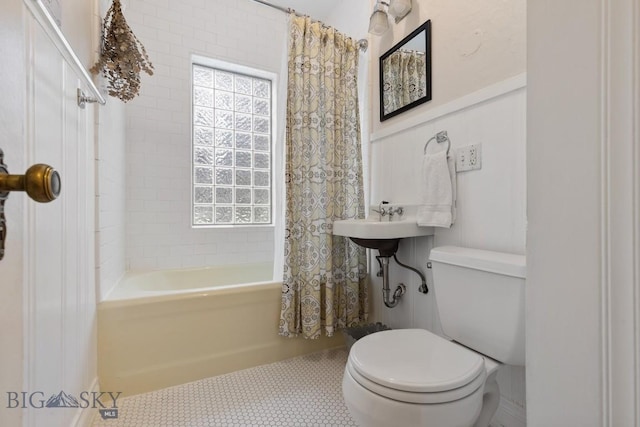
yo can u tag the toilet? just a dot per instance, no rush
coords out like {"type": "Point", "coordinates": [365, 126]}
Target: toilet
{"type": "Point", "coordinates": [412, 377]}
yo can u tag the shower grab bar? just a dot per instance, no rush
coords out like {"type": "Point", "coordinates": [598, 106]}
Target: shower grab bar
{"type": "Point", "coordinates": [44, 18]}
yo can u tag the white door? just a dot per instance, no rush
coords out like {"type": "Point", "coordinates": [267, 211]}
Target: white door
{"type": "Point", "coordinates": [12, 88]}
{"type": "Point", "coordinates": [47, 277]}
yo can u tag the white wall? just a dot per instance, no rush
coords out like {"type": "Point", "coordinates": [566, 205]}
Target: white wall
{"type": "Point", "coordinates": [159, 234]}
{"type": "Point", "coordinates": [479, 96]}
{"type": "Point", "coordinates": [111, 190]}
{"type": "Point", "coordinates": [111, 195]}
{"type": "Point", "coordinates": [583, 252]}
{"type": "Point", "coordinates": [12, 108]}
{"type": "Point", "coordinates": [491, 201]}
{"type": "Point", "coordinates": [564, 267]}
{"type": "Point", "coordinates": [475, 44]}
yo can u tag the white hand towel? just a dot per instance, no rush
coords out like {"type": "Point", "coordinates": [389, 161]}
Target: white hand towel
{"type": "Point", "coordinates": [451, 163]}
{"type": "Point", "coordinates": [438, 184]}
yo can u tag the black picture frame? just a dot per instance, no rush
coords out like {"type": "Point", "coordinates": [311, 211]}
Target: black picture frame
{"type": "Point", "coordinates": [426, 28]}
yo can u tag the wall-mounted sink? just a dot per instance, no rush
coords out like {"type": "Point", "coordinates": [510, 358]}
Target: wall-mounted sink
{"type": "Point", "coordinates": [385, 235]}
{"type": "Point", "coordinates": [371, 228]}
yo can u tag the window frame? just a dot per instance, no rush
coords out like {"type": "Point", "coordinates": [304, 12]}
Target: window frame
{"type": "Point", "coordinates": [216, 64]}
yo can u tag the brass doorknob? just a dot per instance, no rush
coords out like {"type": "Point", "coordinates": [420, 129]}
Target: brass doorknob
{"type": "Point", "coordinates": [41, 182]}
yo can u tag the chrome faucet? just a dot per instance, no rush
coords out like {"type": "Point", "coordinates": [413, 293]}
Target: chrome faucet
{"type": "Point", "coordinates": [392, 211]}
{"type": "Point", "coordinates": [382, 211]}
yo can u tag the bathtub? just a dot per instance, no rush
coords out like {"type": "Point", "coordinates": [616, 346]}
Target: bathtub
{"type": "Point", "coordinates": [164, 328]}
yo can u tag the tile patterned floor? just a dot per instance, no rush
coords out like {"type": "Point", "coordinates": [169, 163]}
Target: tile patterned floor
{"type": "Point", "coordinates": [305, 391]}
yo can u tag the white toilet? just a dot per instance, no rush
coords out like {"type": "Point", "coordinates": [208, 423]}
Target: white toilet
{"type": "Point", "coordinates": [412, 377]}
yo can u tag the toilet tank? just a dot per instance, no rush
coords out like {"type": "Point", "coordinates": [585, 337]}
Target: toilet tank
{"type": "Point", "coordinates": [480, 297]}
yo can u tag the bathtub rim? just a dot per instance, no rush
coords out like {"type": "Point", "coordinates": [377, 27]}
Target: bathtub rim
{"type": "Point", "coordinates": [186, 295]}
{"type": "Point", "coordinates": [148, 297]}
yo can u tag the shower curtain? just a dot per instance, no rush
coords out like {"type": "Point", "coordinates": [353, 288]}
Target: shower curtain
{"type": "Point", "coordinates": [405, 79]}
{"type": "Point", "coordinates": [325, 277]}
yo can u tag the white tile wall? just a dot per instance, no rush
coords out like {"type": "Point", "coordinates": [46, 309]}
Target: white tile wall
{"type": "Point", "coordinates": [110, 196]}
{"type": "Point", "coordinates": [491, 209]}
{"type": "Point", "coordinates": [159, 234]}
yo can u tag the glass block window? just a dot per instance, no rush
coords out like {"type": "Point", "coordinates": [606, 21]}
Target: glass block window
{"type": "Point", "coordinates": [232, 158]}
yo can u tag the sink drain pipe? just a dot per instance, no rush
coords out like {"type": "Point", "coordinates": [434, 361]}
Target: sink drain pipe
{"type": "Point", "coordinates": [392, 300]}
{"type": "Point", "coordinates": [423, 287]}
{"type": "Point", "coordinates": [389, 300]}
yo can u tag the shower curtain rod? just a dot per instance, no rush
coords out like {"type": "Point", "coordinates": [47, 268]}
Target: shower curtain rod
{"type": "Point", "coordinates": [363, 44]}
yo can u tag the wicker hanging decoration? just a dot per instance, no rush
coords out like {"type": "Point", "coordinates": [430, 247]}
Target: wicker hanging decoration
{"type": "Point", "coordinates": [122, 56]}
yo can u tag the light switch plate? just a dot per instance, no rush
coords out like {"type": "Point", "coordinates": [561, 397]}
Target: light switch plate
{"type": "Point", "coordinates": [469, 158]}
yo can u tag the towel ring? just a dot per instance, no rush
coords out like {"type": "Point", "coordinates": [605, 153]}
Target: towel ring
{"type": "Point", "coordinates": [440, 137]}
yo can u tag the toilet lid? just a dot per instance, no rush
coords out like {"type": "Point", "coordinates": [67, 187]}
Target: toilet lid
{"type": "Point", "coordinates": [414, 360]}
{"type": "Point", "coordinates": [410, 397]}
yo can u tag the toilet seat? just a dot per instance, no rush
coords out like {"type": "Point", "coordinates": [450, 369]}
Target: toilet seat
{"type": "Point", "coordinates": [412, 397]}
{"type": "Point", "coordinates": [415, 365]}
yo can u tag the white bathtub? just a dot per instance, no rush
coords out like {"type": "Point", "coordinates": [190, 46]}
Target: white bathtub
{"type": "Point", "coordinates": [170, 282]}
{"type": "Point", "coordinates": [165, 328]}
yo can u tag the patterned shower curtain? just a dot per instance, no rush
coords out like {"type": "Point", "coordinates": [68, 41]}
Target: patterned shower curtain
{"type": "Point", "coordinates": [405, 79]}
{"type": "Point", "coordinates": [325, 278]}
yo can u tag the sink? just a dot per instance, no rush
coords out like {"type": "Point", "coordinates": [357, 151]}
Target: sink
{"type": "Point", "coordinates": [370, 228]}
{"type": "Point", "coordinates": [385, 236]}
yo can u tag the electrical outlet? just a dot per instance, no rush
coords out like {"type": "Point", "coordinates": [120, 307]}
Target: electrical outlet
{"type": "Point", "coordinates": [469, 158]}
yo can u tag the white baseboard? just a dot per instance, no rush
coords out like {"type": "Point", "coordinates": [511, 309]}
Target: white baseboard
{"type": "Point", "coordinates": [84, 417]}
{"type": "Point", "coordinates": [509, 415]}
